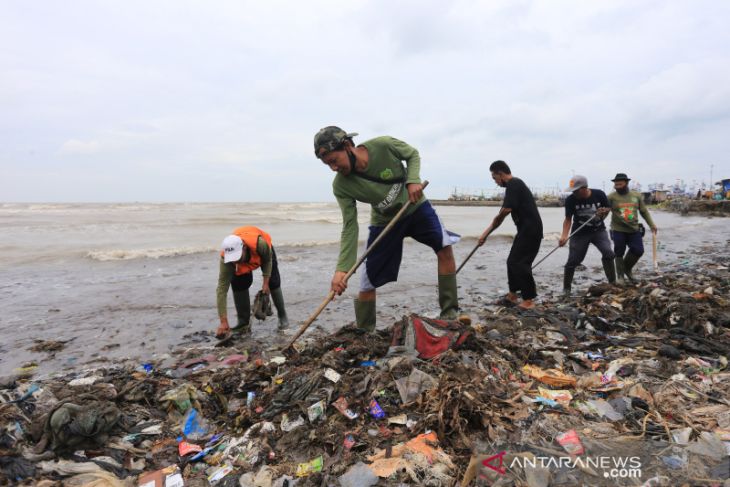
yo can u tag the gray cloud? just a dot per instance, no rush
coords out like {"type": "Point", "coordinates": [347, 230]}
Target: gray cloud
{"type": "Point", "coordinates": [181, 101]}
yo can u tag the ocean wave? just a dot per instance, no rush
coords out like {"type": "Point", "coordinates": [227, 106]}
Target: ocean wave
{"type": "Point", "coordinates": [311, 243]}
{"type": "Point", "coordinates": [159, 253]}
{"type": "Point", "coordinates": [155, 253]}
{"type": "Point", "coordinates": [308, 219]}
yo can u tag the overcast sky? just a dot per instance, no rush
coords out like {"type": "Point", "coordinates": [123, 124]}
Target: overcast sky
{"type": "Point", "coordinates": [219, 101]}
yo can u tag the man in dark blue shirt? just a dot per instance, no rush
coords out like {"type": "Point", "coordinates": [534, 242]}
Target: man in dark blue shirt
{"type": "Point", "coordinates": [520, 203]}
{"type": "Point", "coordinates": [585, 205]}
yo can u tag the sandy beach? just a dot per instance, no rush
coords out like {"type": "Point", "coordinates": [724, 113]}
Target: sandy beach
{"type": "Point", "coordinates": [118, 289]}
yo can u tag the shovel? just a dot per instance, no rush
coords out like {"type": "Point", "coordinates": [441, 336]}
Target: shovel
{"type": "Point", "coordinates": [352, 270]}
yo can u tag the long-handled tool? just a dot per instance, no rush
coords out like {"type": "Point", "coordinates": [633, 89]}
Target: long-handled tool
{"type": "Point", "coordinates": [468, 256]}
{"type": "Point", "coordinates": [653, 250]}
{"type": "Point", "coordinates": [352, 270]}
{"type": "Point", "coordinates": [569, 236]}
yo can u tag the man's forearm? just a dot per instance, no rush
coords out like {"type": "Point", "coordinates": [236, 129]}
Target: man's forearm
{"type": "Point", "coordinates": [566, 226]}
{"type": "Point", "coordinates": [499, 219]}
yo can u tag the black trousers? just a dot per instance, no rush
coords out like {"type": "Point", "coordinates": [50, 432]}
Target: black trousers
{"type": "Point", "coordinates": [244, 281]}
{"type": "Point", "coordinates": [519, 264]}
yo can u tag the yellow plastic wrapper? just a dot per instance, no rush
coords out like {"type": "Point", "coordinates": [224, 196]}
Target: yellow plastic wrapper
{"type": "Point", "coordinates": [552, 377]}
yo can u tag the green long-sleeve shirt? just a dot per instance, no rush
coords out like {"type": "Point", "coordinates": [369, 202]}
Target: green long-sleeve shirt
{"type": "Point", "coordinates": [227, 271]}
{"type": "Point", "coordinates": [384, 162]}
{"type": "Point", "coordinates": [625, 209]}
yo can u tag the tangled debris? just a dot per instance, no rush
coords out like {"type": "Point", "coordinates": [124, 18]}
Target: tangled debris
{"type": "Point", "coordinates": [637, 372]}
{"type": "Point", "coordinates": [50, 346]}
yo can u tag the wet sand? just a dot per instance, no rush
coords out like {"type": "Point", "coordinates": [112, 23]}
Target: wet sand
{"type": "Point", "coordinates": [141, 310]}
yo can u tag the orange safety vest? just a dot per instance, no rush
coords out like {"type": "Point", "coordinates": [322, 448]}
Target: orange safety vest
{"type": "Point", "coordinates": [250, 237]}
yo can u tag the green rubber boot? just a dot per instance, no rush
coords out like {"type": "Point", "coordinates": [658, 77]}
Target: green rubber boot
{"type": "Point", "coordinates": [619, 270]}
{"type": "Point", "coordinates": [365, 314]}
{"type": "Point", "coordinates": [448, 297]}
{"type": "Point", "coordinates": [609, 269]}
{"type": "Point", "coordinates": [629, 262]}
{"type": "Point", "coordinates": [278, 298]}
{"type": "Point", "coordinates": [568, 281]}
{"type": "Point", "coordinates": [243, 310]}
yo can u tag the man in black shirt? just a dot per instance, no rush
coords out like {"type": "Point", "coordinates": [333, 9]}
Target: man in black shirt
{"type": "Point", "coordinates": [520, 203]}
{"type": "Point", "coordinates": [586, 205]}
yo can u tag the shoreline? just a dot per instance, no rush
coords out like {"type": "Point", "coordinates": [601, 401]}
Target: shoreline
{"type": "Point", "coordinates": [710, 208]}
{"type": "Point", "coordinates": [140, 309]}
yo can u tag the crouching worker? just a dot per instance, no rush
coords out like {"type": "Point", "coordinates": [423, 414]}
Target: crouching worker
{"type": "Point", "coordinates": [247, 249]}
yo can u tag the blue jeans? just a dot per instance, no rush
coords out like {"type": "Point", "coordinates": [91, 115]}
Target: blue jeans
{"type": "Point", "coordinates": [633, 241]}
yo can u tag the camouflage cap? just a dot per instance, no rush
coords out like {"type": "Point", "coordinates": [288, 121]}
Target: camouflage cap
{"type": "Point", "coordinates": [329, 139]}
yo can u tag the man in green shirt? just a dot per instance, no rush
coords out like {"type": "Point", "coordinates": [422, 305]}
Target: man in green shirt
{"type": "Point", "coordinates": [625, 228]}
{"type": "Point", "coordinates": [373, 173]}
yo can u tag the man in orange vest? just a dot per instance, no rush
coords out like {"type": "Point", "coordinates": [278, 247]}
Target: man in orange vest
{"type": "Point", "coordinates": [247, 249]}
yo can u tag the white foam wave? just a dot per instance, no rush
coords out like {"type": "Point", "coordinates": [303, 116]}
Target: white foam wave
{"type": "Point", "coordinates": [311, 243]}
{"type": "Point", "coordinates": [159, 253]}
{"type": "Point", "coordinates": [155, 253]}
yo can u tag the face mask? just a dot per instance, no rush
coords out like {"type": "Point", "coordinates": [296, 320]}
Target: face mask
{"type": "Point", "coordinates": [623, 190]}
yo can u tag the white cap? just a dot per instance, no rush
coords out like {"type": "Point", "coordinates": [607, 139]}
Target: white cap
{"type": "Point", "coordinates": [232, 247]}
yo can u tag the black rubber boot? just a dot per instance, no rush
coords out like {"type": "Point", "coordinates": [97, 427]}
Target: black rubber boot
{"type": "Point", "coordinates": [448, 297]}
{"type": "Point", "coordinates": [609, 269]}
{"type": "Point", "coordinates": [365, 314]}
{"type": "Point", "coordinates": [568, 280]}
{"type": "Point", "coordinates": [629, 262]}
{"type": "Point", "coordinates": [278, 298]}
{"type": "Point", "coordinates": [243, 310]}
{"type": "Point", "coordinates": [619, 270]}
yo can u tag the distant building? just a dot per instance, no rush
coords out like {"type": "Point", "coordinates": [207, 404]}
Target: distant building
{"type": "Point", "coordinates": [655, 196]}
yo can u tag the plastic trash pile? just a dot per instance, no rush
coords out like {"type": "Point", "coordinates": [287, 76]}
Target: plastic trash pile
{"type": "Point", "coordinates": [638, 371]}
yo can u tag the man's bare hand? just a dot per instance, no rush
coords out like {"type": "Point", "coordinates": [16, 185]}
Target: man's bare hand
{"type": "Point", "coordinates": [339, 285]}
{"type": "Point", "coordinates": [482, 239]}
{"type": "Point", "coordinates": [415, 191]}
{"type": "Point", "coordinates": [223, 328]}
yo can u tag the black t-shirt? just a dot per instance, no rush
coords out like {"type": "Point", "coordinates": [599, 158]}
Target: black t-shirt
{"type": "Point", "coordinates": [519, 199]}
{"type": "Point", "coordinates": [582, 210]}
